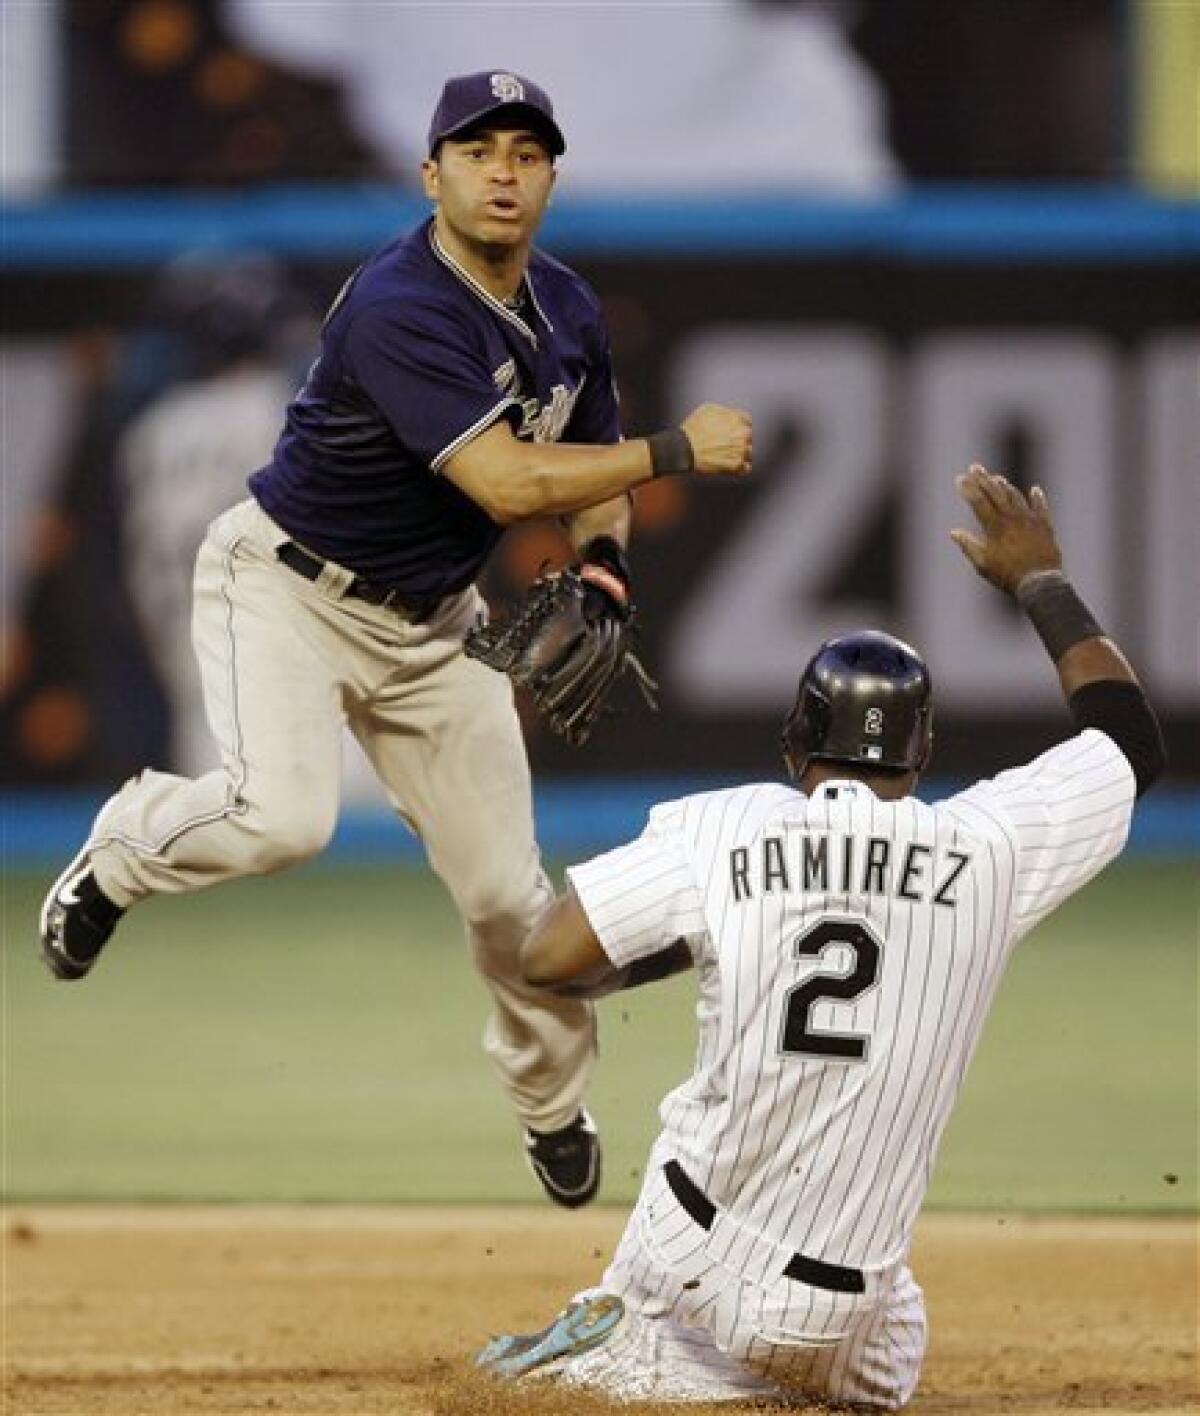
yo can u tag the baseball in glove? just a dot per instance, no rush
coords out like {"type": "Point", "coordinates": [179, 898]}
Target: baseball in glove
{"type": "Point", "coordinates": [568, 641]}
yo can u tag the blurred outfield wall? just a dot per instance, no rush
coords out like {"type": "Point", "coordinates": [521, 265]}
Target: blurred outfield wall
{"type": "Point", "coordinates": [880, 346]}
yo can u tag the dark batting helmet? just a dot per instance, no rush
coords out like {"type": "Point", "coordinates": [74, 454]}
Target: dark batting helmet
{"type": "Point", "coordinates": [865, 698]}
{"type": "Point", "coordinates": [229, 306]}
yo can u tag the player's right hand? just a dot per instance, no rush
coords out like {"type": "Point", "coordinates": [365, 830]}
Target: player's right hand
{"type": "Point", "coordinates": [1018, 535]}
{"type": "Point", "coordinates": [721, 439]}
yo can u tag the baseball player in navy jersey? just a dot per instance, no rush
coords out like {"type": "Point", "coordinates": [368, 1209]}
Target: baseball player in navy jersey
{"type": "Point", "coordinates": [463, 383]}
{"type": "Point", "coordinates": [849, 940]}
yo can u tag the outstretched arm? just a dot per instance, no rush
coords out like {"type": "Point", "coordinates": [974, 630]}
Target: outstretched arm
{"type": "Point", "coordinates": [1017, 551]}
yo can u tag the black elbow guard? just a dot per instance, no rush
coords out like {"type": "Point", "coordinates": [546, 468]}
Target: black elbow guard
{"type": "Point", "coordinates": [606, 978]}
{"type": "Point", "coordinates": [1121, 710]}
{"type": "Point", "coordinates": [672, 960]}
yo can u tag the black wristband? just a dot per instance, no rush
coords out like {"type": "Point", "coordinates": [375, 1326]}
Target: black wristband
{"type": "Point", "coordinates": [1060, 617]}
{"type": "Point", "coordinates": [671, 453]}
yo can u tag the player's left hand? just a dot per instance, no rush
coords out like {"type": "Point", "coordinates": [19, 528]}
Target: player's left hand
{"type": "Point", "coordinates": [1018, 534]}
{"type": "Point", "coordinates": [604, 570]}
{"type": "Point", "coordinates": [567, 644]}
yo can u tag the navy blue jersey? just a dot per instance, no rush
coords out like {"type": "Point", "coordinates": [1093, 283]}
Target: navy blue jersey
{"type": "Point", "coordinates": [416, 360]}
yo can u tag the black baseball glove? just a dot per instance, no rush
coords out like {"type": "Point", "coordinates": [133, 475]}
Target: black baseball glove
{"type": "Point", "coordinates": [568, 641]}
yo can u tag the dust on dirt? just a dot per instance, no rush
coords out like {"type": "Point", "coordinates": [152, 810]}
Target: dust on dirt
{"type": "Point", "coordinates": [119, 1311]}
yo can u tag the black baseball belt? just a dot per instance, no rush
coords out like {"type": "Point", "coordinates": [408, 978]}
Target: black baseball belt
{"type": "Point", "coordinates": [420, 607]}
{"type": "Point", "coordinates": [814, 1272]}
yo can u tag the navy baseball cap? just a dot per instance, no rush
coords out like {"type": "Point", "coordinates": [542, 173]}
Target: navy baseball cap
{"type": "Point", "coordinates": [470, 99]}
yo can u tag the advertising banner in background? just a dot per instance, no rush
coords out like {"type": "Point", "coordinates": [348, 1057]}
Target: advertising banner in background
{"type": "Point", "coordinates": [871, 380]}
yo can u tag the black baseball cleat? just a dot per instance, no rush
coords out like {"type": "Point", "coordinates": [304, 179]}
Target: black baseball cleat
{"type": "Point", "coordinates": [76, 921]}
{"type": "Point", "coordinates": [567, 1162]}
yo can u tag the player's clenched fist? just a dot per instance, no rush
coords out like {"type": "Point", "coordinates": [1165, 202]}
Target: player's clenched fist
{"type": "Point", "coordinates": [721, 439]}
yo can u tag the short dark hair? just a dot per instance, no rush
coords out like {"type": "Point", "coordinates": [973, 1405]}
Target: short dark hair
{"type": "Point", "coordinates": [505, 121]}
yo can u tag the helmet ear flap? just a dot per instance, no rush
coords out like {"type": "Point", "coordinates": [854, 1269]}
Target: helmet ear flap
{"type": "Point", "coordinates": [926, 751]}
{"type": "Point", "coordinates": [793, 757]}
{"type": "Point", "coordinates": [804, 728]}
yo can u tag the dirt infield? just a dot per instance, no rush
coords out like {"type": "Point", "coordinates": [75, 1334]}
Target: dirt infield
{"type": "Point", "coordinates": [337, 1310]}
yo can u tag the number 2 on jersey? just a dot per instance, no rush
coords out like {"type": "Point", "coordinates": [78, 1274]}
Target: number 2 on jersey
{"type": "Point", "coordinates": [800, 1038]}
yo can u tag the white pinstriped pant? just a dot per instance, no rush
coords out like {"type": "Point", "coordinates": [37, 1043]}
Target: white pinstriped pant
{"type": "Point", "coordinates": [285, 663]}
{"type": "Point", "coordinates": [701, 1332]}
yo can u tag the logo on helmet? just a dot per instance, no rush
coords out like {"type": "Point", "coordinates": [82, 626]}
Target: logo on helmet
{"type": "Point", "coordinates": [873, 722]}
{"type": "Point", "coordinates": [508, 88]}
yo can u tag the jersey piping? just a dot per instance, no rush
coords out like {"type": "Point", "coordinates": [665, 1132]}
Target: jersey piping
{"type": "Point", "coordinates": [235, 805]}
{"type": "Point", "coordinates": [498, 306]}
{"type": "Point", "coordinates": [472, 432]}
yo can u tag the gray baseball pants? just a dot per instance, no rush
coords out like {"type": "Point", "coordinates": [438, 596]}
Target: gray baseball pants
{"type": "Point", "coordinates": [285, 663]}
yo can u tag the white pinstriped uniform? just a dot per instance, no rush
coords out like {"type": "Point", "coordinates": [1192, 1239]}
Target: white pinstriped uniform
{"type": "Point", "coordinates": [848, 949]}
